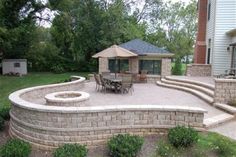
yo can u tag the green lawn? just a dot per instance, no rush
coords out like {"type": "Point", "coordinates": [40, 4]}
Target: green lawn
{"type": "Point", "coordinates": [9, 84]}
{"type": "Point", "coordinates": [208, 144]}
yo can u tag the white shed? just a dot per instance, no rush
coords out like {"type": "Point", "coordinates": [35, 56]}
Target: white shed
{"type": "Point", "coordinates": [14, 66]}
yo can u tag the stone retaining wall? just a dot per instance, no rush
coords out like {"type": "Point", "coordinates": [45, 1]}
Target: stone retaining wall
{"type": "Point", "coordinates": [198, 70]}
{"type": "Point", "coordinates": [94, 125]}
{"type": "Point", "coordinates": [225, 90]}
{"type": "Point", "coordinates": [47, 127]}
{"type": "Point", "coordinates": [39, 92]}
{"type": "Point", "coordinates": [165, 67]}
{"type": "Point", "coordinates": [153, 78]}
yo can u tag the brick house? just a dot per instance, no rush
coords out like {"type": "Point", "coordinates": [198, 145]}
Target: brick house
{"type": "Point", "coordinates": [156, 61]}
{"type": "Point", "coordinates": [216, 38]}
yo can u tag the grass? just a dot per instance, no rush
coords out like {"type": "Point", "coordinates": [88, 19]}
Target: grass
{"type": "Point", "coordinates": [10, 84]}
{"type": "Point", "coordinates": [208, 144]}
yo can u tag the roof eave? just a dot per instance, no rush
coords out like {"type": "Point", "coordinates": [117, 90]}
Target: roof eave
{"type": "Point", "coordinates": [158, 54]}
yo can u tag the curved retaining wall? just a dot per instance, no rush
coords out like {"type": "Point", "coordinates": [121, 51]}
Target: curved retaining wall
{"type": "Point", "coordinates": [48, 127]}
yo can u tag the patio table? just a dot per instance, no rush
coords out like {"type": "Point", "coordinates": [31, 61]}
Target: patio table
{"type": "Point", "coordinates": [115, 82]}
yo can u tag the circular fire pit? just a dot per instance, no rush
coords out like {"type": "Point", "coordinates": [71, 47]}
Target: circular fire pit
{"type": "Point", "coordinates": [67, 98]}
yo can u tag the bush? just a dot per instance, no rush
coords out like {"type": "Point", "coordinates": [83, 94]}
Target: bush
{"type": "Point", "coordinates": [71, 150]}
{"type": "Point", "coordinates": [177, 69]}
{"type": "Point", "coordinates": [4, 113]}
{"type": "Point", "coordinates": [15, 148]}
{"type": "Point", "coordinates": [57, 69]}
{"type": "Point", "coordinates": [181, 136]}
{"type": "Point", "coordinates": [125, 145]}
{"type": "Point", "coordinates": [1, 123]}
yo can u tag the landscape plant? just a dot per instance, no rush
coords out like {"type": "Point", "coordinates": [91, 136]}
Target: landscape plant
{"type": "Point", "coordinates": [177, 69]}
{"type": "Point", "coordinates": [125, 145]}
{"type": "Point", "coordinates": [71, 150]}
{"type": "Point", "coordinates": [208, 144]}
{"type": "Point", "coordinates": [4, 112]}
{"type": "Point", "coordinates": [181, 136]}
{"type": "Point", "coordinates": [15, 148]}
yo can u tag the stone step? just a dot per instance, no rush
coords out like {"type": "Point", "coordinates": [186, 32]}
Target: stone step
{"type": "Point", "coordinates": [217, 120]}
{"type": "Point", "coordinates": [204, 90]}
{"type": "Point", "coordinates": [226, 108]}
{"type": "Point", "coordinates": [198, 83]}
{"type": "Point", "coordinates": [199, 94]}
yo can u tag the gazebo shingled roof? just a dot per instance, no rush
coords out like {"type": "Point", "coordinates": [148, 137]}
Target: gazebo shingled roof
{"type": "Point", "coordinates": [143, 48]}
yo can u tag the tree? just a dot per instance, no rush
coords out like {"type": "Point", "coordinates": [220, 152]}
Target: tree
{"type": "Point", "coordinates": [174, 27]}
{"type": "Point", "coordinates": [17, 24]}
{"type": "Point", "coordinates": [82, 28]}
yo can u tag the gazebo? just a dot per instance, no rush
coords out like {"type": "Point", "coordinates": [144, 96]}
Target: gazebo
{"type": "Point", "coordinates": [156, 61]}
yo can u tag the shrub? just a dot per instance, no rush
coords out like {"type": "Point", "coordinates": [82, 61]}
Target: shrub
{"type": "Point", "coordinates": [181, 136]}
{"type": "Point", "coordinates": [71, 150]}
{"type": "Point", "coordinates": [177, 69]}
{"type": "Point", "coordinates": [1, 123]}
{"type": "Point", "coordinates": [125, 145]}
{"type": "Point", "coordinates": [15, 148]}
{"type": "Point", "coordinates": [4, 113]}
{"type": "Point", "coordinates": [57, 69]}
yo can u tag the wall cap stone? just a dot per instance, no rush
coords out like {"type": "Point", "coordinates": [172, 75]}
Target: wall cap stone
{"type": "Point", "coordinates": [199, 65]}
{"type": "Point", "coordinates": [16, 99]}
{"type": "Point", "coordinates": [225, 80]}
{"type": "Point", "coordinates": [53, 97]}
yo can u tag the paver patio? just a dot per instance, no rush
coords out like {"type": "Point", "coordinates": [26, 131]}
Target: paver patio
{"type": "Point", "coordinates": [145, 94]}
{"type": "Point", "coordinates": [150, 94]}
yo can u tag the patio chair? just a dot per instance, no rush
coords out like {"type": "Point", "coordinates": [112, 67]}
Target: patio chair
{"type": "Point", "coordinates": [105, 85]}
{"type": "Point", "coordinates": [143, 76]}
{"type": "Point", "coordinates": [98, 81]}
{"type": "Point", "coordinates": [126, 83]}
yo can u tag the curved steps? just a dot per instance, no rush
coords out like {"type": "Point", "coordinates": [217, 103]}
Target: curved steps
{"type": "Point", "coordinates": [225, 107]}
{"type": "Point", "coordinates": [202, 84]}
{"type": "Point", "coordinates": [193, 89]}
{"type": "Point", "coordinates": [204, 90]}
{"type": "Point", "coordinates": [217, 120]}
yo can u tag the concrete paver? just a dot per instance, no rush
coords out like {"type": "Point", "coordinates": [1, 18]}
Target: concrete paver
{"type": "Point", "coordinates": [227, 129]}
{"type": "Point", "coordinates": [149, 94]}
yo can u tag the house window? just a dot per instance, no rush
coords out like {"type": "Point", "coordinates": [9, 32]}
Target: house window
{"type": "Point", "coordinates": [209, 51]}
{"type": "Point", "coordinates": [16, 65]}
{"type": "Point", "coordinates": [209, 11]}
{"type": "Point", "coordinates": [152, 66]}
{"type": "Point", "coordinates": [122, 65]}
{"type": "Point", "coordinates": [234, 57]}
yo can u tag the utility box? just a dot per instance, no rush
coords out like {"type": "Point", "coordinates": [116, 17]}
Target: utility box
{"type": "Point", "coordinates": [14, 66]}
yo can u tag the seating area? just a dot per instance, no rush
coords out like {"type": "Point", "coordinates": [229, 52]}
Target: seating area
{"type": "Point", "coordinates": [106, 82]}
{"type": "Point", "coordinates": [229, 74]}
